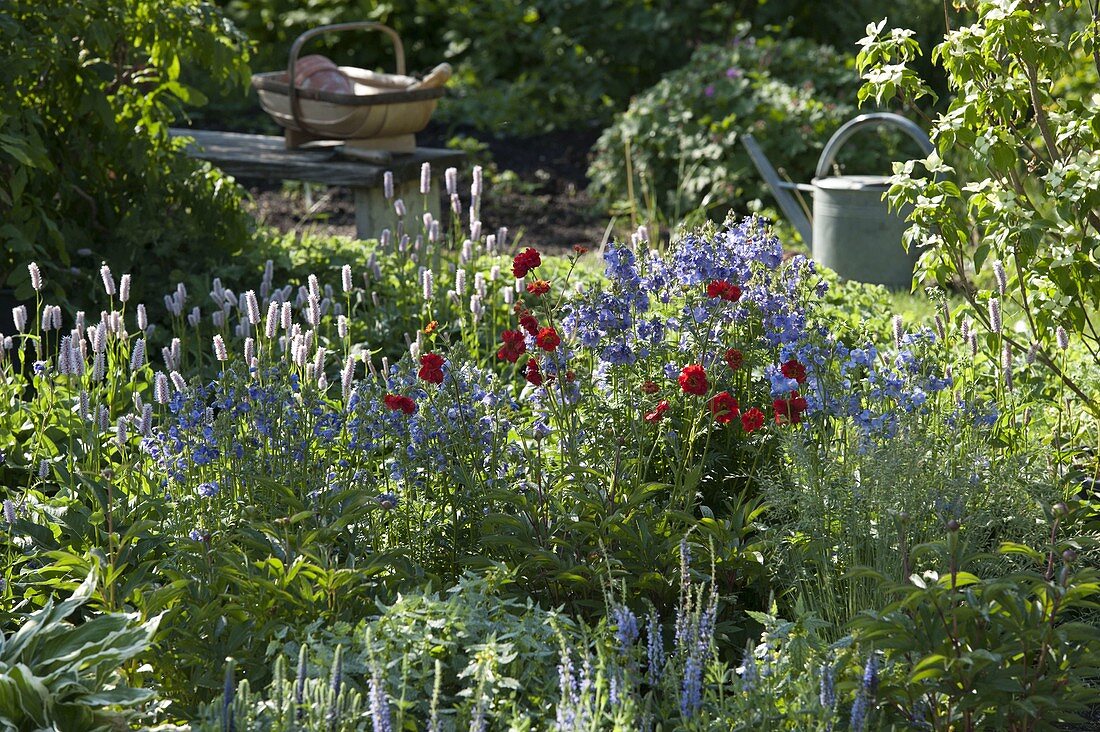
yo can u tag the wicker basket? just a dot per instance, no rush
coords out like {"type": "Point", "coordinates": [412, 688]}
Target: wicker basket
{"type": "Point", "coordinates": [377, 112]}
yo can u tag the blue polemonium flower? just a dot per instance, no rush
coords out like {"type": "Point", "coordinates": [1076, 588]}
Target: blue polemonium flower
{"type": "Point", "coordinates": [781, 386]}
{"type": "Point", "coordinates": [196, 535]}
{"type": "Point", "coordinates": [388, 501]}
{"type": "Point", "coordinates": [618, 354]}
{"type": "Point", "coordinates": [208, 490]}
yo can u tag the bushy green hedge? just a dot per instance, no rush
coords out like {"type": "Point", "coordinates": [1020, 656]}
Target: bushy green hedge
{"type": "Point", "coordinates": [87, 170]}
{"type": "Point", "coordinates": [684, 133]}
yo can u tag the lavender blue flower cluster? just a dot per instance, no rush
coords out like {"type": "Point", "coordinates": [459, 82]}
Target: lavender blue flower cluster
{"type": "Point", "coordinates": [239, 425]}
{"type": "Point", "coordinates": [626, 321]}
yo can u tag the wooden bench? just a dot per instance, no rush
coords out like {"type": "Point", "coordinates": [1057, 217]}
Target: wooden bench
{"type": "Point", "coordinates": [265, 157]}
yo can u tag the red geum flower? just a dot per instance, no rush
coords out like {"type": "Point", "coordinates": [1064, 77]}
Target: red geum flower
{"type": "Point", "coordinates": [789, 410]}
{"type": "Point", "coordinates": [532, 373]}
{"type": "Point", "coordinates": [794, 370]}
{"type": "Point", "coordinates": [513, 347]}
{"type": "Point", "coordinates": [529, 323]}
{"type": "Point", "coordinates": [693, 380]}
{"type": "Point", "coordinates": [548, 339]}
{"type": "Point", "coordinates": [650, 387]}
{"type": "Point", "coordinates": [431, 368]}
{"type": "Point", "coordinates": [431, 327]}
{"type": "Point", "coordinates": [734, 358]}
{"type": "Point", "coordinates": [397, 403]}
{"type": "Point", "coordinates": [538, 287]}
{"type": "Point", "coordinates": [724, 407]}
{"type": "Point", "coordinates": [723, 289]}
{"type": "Point", "coordinates": [655, 416]}
{"type": "Point", "coordinates": [752, 420]}
{"type": "Point", "coordinates": [578, 249]}
{"type": "Point", "coordinates": [525, 261]}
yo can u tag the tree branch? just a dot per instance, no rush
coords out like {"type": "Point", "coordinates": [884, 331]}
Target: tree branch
{"type": "Point", "coordinates": [1040, 112]}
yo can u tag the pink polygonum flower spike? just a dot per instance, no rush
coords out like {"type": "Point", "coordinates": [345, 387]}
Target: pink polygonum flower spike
{"type": "Point", "coordinates": [1000, 276]}
{"type": "Point", "coordinates": [137, 356]}
{"type": "Point", "coordinates": [160, 388]}
{"type": "Point", "coordinates": [476, 187]}
{"type": "Point", "coordinates": [346, 376]}
{"type": "Point", "coordinates": [425, 179]}
{"type": "Point", "coordinates": [271, 326]}
{"type": "Point", "coordinates": [995, 315]}
{"type": "Point", "coordinates": [253, 307]}
{"type": "Point", "coordinates": [19, 317]}
{"type": "Point", "coordinates": [219, 349]}
{"type": "Point", "coordinates": [108, 280]}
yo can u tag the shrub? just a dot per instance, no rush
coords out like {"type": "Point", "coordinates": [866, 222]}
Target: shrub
{"type": "Point", "coordinates": [1005, 652]}
{"type": "Point", "coordinates": [682, 135]}
{"type": "Point", "coordinates": [1021, 126]}
{"type": "Point", "coordinates": [87, 170]}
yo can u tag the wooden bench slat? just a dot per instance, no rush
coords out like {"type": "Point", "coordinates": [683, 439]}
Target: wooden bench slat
{"type": "Point", "coordinates": [265, 157]}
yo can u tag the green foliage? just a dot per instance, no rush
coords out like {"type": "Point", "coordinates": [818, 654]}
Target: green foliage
{"type": "Point", "coordinates": [1007, 652]}
{"type": "Point", "coordinates": [1016, 167]}
{"type": "Point", "coordinates": [448, 652]}
{"type": "Point", "coordinates": [87, 170]}
{"type": "Point", "coordinates": [55, 674]}
{"type": "Point", "coordinates": [677, 147]}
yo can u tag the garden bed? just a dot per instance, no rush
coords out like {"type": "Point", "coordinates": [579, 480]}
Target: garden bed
{"type": "Point", "coordinates": [448, 480]}
{"type": "Point", "coordinates": [543, 195]}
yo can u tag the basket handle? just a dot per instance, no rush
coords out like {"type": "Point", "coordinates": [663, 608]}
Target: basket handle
{"type": "Point", "coordinates": [295, 103]}
{"type": "Point", "coordinates": [874, 119]}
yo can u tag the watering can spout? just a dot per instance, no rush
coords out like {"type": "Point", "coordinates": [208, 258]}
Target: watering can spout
{"type": "Point", "coordinates": [781, 189]}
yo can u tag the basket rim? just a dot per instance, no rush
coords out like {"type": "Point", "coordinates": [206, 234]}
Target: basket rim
{"type": "Point", "coordinates": [275, 82]}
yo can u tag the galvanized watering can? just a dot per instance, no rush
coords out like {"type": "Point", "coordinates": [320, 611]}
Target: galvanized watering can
{"type": "Point", "coordinates": [854, 232]}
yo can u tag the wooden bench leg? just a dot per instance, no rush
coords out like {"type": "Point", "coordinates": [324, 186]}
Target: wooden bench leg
{"type": "Point", "coordinates": [373, 212]}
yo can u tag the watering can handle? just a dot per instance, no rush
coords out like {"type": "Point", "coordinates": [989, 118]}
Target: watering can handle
{"type": "Point", "coordinates": [874, 119]}
{"type": "Point", "coordinates": [295, 103]}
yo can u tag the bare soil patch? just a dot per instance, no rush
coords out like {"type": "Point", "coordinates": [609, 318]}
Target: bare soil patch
{"type": "Point", "coordinates": [543, 199]}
